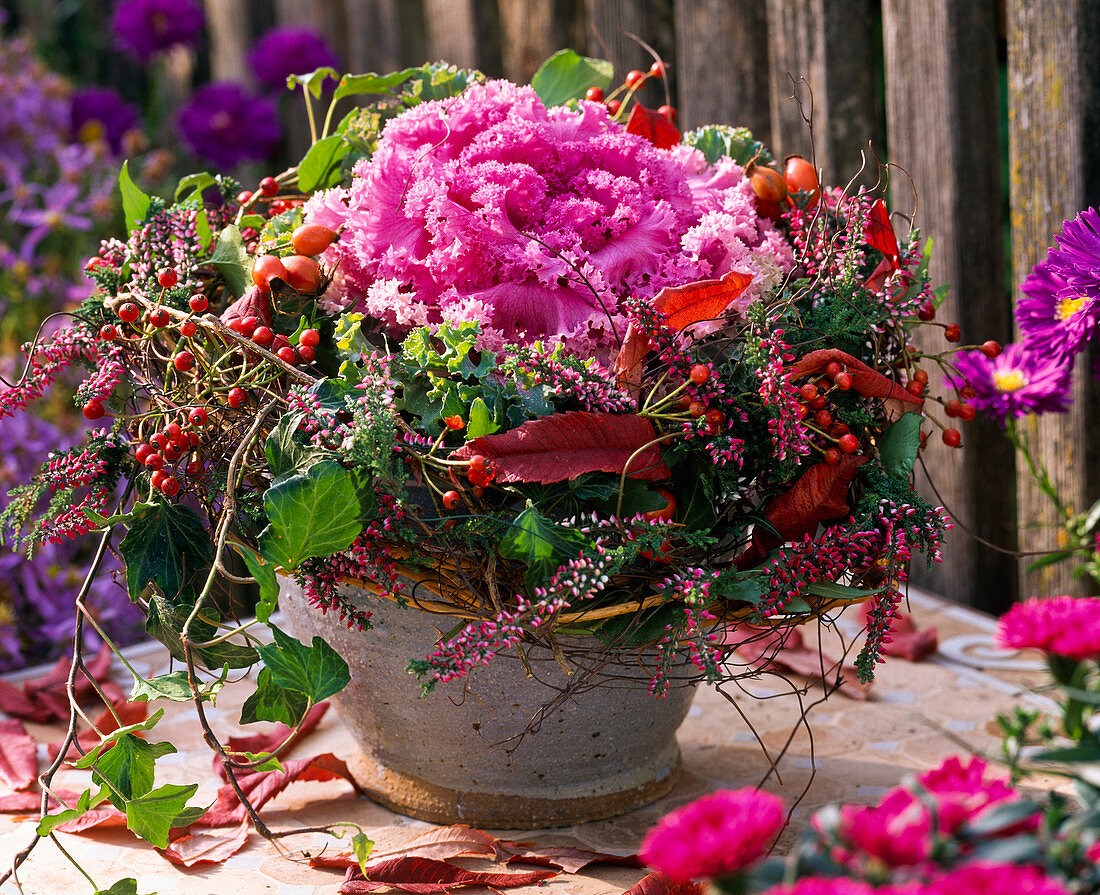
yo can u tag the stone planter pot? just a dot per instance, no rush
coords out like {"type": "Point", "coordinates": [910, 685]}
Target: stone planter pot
{"type": "Point", "coordinates": [478, 751]}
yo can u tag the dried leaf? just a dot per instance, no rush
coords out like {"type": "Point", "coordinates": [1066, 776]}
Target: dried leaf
{"type": "Point", "coordinates": [202, 845]}
{"type": "Point", "coordinates": [785, 649]}
{"type": "Point", "coordinates": [18, 802]}
{"type": "Point", "coordinates": [253, 303]}
{"type": "Point", "coordinates": [107, 816]}
{"type": "Point", "coordinates": [879, 232]}
{"type": "Point", "coordinates": [15, 703]}
{"type": "Point", "coordinates": [659, 884]}
{"type": "Point", "coordinates": [565, 858]}
{"type": "Point", "coordinates": [630, 360]}
{"type": "Point", "coordinates": [440, 844]}
{"type": "Point", "coordinates": [652, 125]}
{"type": "Point", "coordinates": [704, 300]}
{"type": "Point", "coordinates": [18, 756]}
{"type": "Point", "coordinates": [262, 786]}
{"type": "Point", "coordinates": [425, 877]}
{"type": "Point", "coordinates": [265, 742]}
{"type": "Point", "coordinates": [566, 445]}
{"type": "Point", "coordinates": [869, 383]}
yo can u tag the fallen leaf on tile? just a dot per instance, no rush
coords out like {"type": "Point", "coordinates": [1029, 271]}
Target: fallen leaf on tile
{"type": "Point", "coordinates": [108, 816]}
{"type": "Point", "coordinates": [437, 844]}
{"type": "Point", "coordinates": [265, 742]}
{"type": "Point", "coordinates": [786, 650]}
{"type": "Point", "coordinates": [659, 884]}
{"type": "Point", "coordinates": [204, 845]}
{"type": "Point", "coordinates": [43, 699]}
{"type": "Point", "coordinates": [262, 786]}
{"type": "Point", "coordinates": [422, 876]}
{"type": "Point", "coordinates": [128, 713]}
{"type": "Point", "coordinates": [565, 858]}
{"type": "Point", "coordinates": [20, 802]}
{"type": "Point", "coordinates": [18, 756]}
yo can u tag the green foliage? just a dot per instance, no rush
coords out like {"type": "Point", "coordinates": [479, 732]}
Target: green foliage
{"type": "Point", "coordinates": [898, 450]}
{"type": "Point", "coordinates": [135, 203]}
{"type": "Point", "coordinates": [167, 546]}
{"type": "Point", "coordinates": [273, 702]}
{"type": "Point", "coordinates": [566, 76]}
{"type": "Point", "coordinates": [719, 140]}
{"type": "Point", "coordinates": [153, 815]}
{"type": "Point", "coordinates": [232, 261]}
{"type": "Point", "coordinates": [320, 167]}
{"type": "Point", "coordinates": [174, 686]}
{"type": "Point", "coordinates": [541, 544]}
{"type": "Point", "coordinates": [165, 622]}
{"type": "Point", "coordinates": [316, 671]}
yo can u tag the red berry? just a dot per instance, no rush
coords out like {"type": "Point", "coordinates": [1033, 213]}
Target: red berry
{"type": "Point", "coordinates": [594, 94]}
{"type": "Point", "coordinates": [158, 478]}
{"type": "Point", "coordinates": [193, 439]}
{"type": "Point", "coordinates": [699, 374]}
{"type": "Point", "coordinates": [108, 332]}
{"type": "Point", "coordinates": [849, 444]}
{"type": "Point", "coordinates": [808, 391]}
{"type": "Point", "coordinates": [269, 186]}
{"type": "Point", "coordinates": [244, 197]}
{"type": "Point", "coordinates": [478, 463]}
{"type": "Point", "coordinates": [93, 410]}
{"type": "Point", "coordinates": [952, 332]}
{"type": "Point", "coordinates": [768, 184]}
{"type": "Point", "coordinates": [159, 317]}
{"type": "Point", "coordinates": [838, 429]}
{"type": "Point", "coordinates": [172, 453]}
{"type": "Point", "coordinates": [265, 269]}
{"type": "Point", "coordinates": [634, 77]}
{"type": "Point", "coordinates": [832, 457]}
{"type": "Point", "coordinates": [818, 402]}
{"type": "Point", "coordinates": [302, 274]}
{"type": "Point", "coordinates": [246, 326]}
{"type": "Point", "coordinates": [967, 412]}
{"type": "Point", "coordinates": [312, 239]}
{"type": "Point", "coordinates": [287, 354]}
{"type": "Point", "coordinates": [154, 461]}
{"type": "Point", "coordinates": [697, 409]}
{"type": "Point", "coordinates": [833, 369]}
{"type": "Point", "coordinates": [951, 408]}
{"type": "Point", "coordinates": [198, 303]}
{"type": "Point", "coordinates": [196, 416]}
{"type": "Point", "coordinates": [309, 337]}
{"type": "Point", "coordinates": [142, 451]}
{"type": "Point", "coordinates": [952, 437]}
{"type": "Point", "coordinates": [170, 487]}
{"type": "Point", "coordinates": [968, 392]}
{"type": "Point", "coordinates": [668, 113]}
{"type": "Point", "coordinates": [173, 432]}
{"type": "Point", "coordinates": [158, 440]}
{"type": "Point", "coordinates": [927, 311]}
{"type": "Point", "coordinates": [237, 397]}
{"type": "Point", "coordinates": [183, 361]}
{"type": "Point", "coordinates": [188, 328]}
{"type": "Point", "coordinates": [823, 419]}
{"type": "Point", "coordinates": [991, 348]}
{"type": "Point", "coordinates": [168, 277]}
{"type": "Point", "coordinates": [194, 467]}
{"type": "Point", "coordinates": [613, 106]}
{"type": "Point", "coordinates": [915, 388]}
{"type": "Point", "coordinates": [657, 70]}
{"type": "Point", "coordinates": [129, 312]}
{"type": "Point", "coordinates": [451, 500]}
{"type": "Point", "coordinates": [801, 177]}
{"type": "Point", "coordinates": [921, 376]}
{"type": "Point", "coordinates": [263, 336]}
{"type": "Point", "coordinates": [843, 380]}
{"type": "Point", "coordinates": [306, 354]}
{"type": "Point", "coordinates": [715, 417]}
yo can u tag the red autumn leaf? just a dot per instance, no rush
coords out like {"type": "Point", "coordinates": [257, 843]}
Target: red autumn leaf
{"type": "Point", "coordinates": [43, 699]}
{"type": "Point", "coordinates": [128, 712]}
{"type": "Point", "coordinates": [630, 360]}
{"type": "Point", "coordinates": [869, 383]}
{"type": "Point", "coordinates": [906, 640]}
{"type": "Point", "coordinates": [652, 125]}
{"type": "Point", "coordinates": [439, 844]}
{"type": "Point", "coordinates": [565, 445]}
{"type": "Point", "coordinates": [17, 704]}
{"type": "Point", "coordinates": [785, 649]}
{"type": "Point", "coordinates": [265, 742]}
{"type": "Point", "coordinates": [253, 303]}
{"type": "Point", "coordinates": [19, 802]}
{"type": "Point", "coordinates": [18, 756]}
{"type": "Point", "coordinates": [422, 876]}
{"type": "Point", "coordinates": [107, 816]}
{"type": "Point", "coordinates": [703, 300]}
{"type": "Point", "coordinates": [565, 858]}
{"type": "Point", "coordinates": [202, 845]}
{"type": "Point", "coordinates": [879, 232]}
{"type": "Point", "coordinates": [877, 279]}
{"type": "Point", "coordinates": [659, 884]}
{"type": "Point", "coordinates": [262, 786]}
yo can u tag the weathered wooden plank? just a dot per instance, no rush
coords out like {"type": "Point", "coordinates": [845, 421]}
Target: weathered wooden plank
{"type": "Point", "coordinates": [942, 119]}
{"type": "Point", "coordinates": [533, 30]}
{"type": "Point", "coordinates": [825, 64]}
{"type": "Point", "coordinates": [722, 64]}
{"type": "Point", "coordinates": [374, 36]}
{"type": "Point", "coordinates": [232, 31]}
{"type": "Point", "coordinates": [1054, 91]}
{"type": "Point", "coordinates": [464, 33]}
{"type": "Point", "coordinates": [610, 26]}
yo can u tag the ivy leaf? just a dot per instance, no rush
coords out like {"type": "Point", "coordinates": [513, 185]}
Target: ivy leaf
{"type": "Point", "coordinates": [153, 815]}
{"type": "Point", "coordinates": [193, 184]}
{"type": "Point", "coordinates": [285, 455]}
{"type": "Point", "coordinates": [316, 514]}
{"type": "Point", "coordinates": [320, 167]}
{"type": "Point", "coordinates": [361, 847]}
{"type": "Point", "coordinates": [84, 804]}
{"type": "Point", "coordinates": [370, 83]}
{"type": "Point", "coordinates": [166, 546]}
{"type": "Point", "coordinates": [175, 687]}
{"type": "Point", "coordinates": [264, 573]}
{"type": "Point", "coordinates": [127, 768]}
{"type": "Point", "coordinates": [126, 886]}
{"type": "Point", "coordinates": [316, 670]}
{"type": "Point", "coordinates": [898, 450]}
{"type": "Point", "coordinates": [541, 544]}
{"type": "Point", "coordinates": [165, 622]}
{"type": "Point", "coordinates": [314, 81]}
{"type": "Point", "coordinates": [88, 759]}
{"type": "Point", "coordinates": [271, 702]}
{"type": "Point", "coordinates": [232, 260]}
{"type": "Point", "coordinates": [567, 75]}
{"type": "Point", "coordinates": [135, 203]}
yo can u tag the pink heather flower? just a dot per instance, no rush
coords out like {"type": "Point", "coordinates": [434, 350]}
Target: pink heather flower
{"type": "Point", "coordinates": [1016, 383]}
{"type": "Point", "coordinates": [544, 221]}
{"type": "Point", "coordinates": [291, 50]}
{"type": "Point", "coordinates": [719, 833]}
{"type": "Point", "coordinates": [1066, 626]}
{"type": "Point", "coordinates": [145, 27]}
{"type": "Point", "coordinates": [993, 879]}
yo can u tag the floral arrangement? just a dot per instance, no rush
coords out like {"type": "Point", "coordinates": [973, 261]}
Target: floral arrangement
{"type": "Point", "coordinates": [959, 827]}
{"type": "Point", "coordinates": [525, 355]}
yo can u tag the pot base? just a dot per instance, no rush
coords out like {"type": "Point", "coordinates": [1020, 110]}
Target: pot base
{"type": "Point", "coordinates": [430, 802]}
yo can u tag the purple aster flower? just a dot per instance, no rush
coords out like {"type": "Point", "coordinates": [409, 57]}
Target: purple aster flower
{"type": "Point", "coordinates": [289, 51]}
{"type": "Point", "coordinates": [1015, 383]}
{"type": "Point", "coordinates": [145, 27]}
{"type": "Point", "coordinates": [99, 113]}
{"type": "Point", "coordinates": [1077, 257]}
{"type": "Point", "coordinates": [224, 123]}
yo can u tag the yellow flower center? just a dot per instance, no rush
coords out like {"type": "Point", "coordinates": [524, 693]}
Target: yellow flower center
{"type": "Point", "coordinates": [1067, 307]}
{"type": "Point", "coordinates": [92, 131]}
{"type": "Point", "coordinates": [1009, 380]}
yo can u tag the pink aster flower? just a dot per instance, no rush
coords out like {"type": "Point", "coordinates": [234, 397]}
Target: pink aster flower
{"type": "Point", "coordinates": [1066, 626]}
{"type": "Point", "coordinates": [545, 219]}
{"type": "Point", "coordinates": [1016, 383]}
{"type": "Point", "coordinates": [719, 833]}
{"type": "Point", "coordinates": [993, 879]}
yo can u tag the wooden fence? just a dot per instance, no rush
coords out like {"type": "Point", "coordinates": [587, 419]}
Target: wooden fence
{"type": "Point", "coordinates": [923, 84]}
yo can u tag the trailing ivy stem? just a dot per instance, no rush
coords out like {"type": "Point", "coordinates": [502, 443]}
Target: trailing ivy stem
{"type": "Point", "coordinates": [240, 629]}
{"type": "Point", "coordinates": [626, 469]}
{"type": "Point", "coordinates": [74, 862]}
